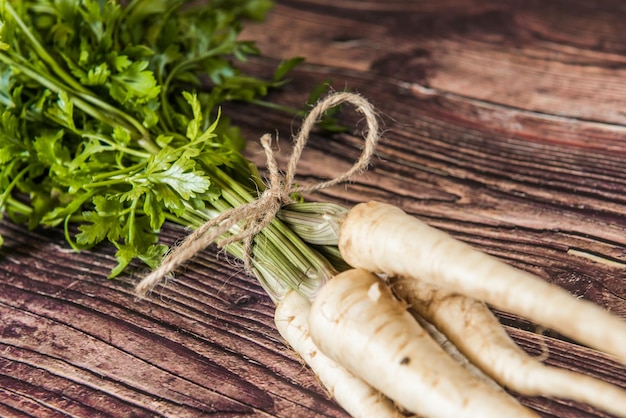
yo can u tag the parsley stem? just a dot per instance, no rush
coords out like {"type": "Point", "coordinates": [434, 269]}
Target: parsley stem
{"type": "Point", "coordinates": [120, 172]}
{"type": "Point", "coordinates": [106, 183]}
{"type": "Point", "coordinates": [12, 184]}
{"type": "Point", "coordinates": [118, 147]}
{"type": "Point", "coordinates": [18, 206]}
{"type": "Point", "coordinates": [68, 235]}
{"type": "Point", "coordinates": [313, 269]}
{"type": "Point", "coordinates": [132, 227]}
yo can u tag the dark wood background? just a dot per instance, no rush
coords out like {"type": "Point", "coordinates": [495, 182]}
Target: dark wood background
{"type": "Point", "coordinates": [505, 125]}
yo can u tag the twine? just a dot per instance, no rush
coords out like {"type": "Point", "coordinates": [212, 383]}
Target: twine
{"type": "Point", "coordinates": [256, 215]}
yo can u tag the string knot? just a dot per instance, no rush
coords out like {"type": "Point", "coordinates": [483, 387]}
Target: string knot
{"type": "Point", "coordinates": [244, 222]}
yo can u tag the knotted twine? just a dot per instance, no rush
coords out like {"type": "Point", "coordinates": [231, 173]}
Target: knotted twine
{"type": "Point", "coordinates": [256, 215]}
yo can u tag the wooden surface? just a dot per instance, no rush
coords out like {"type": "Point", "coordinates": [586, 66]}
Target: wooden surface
{"type": "Point", "coordinates": [505, 125]}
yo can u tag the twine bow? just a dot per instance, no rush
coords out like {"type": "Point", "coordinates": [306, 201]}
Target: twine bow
{"type": "Point", "coordinates": [256, 215]}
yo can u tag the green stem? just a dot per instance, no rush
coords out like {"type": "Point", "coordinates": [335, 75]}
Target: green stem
{"type": "Point", "coordinates": [118, 173]}
{"type": "Point", "coordinates": [7, 192]}
{"type": "Point", "coordinates": [105, 183]}
{"type": "Point", "coordinates": [118, 147]}
{"type": "Point", "coordinates": [272, 265]}
{"type": "Point", "coordinates": [131, 222]}
{"type": "Point", "coordinates": [66, 231]}
{"type": "Point", "coordinates": [313, 270]}
{"type": "Point", "coordinates": [18, 206]}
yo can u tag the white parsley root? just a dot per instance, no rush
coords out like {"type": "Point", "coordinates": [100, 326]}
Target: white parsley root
{"type": "Point", "coordinates": [424, 253]}
{"type": "Point", "coordinates": [358, 323]}
{"type": "Point", "coordinates": [452, 350]}
{"type": "Point", "coordinates": [357, 397]}
{"type": "Point", "coordinates": [477, 333]}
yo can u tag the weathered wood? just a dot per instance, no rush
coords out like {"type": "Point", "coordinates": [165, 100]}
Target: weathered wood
{"type": "Point", "coordinates": [504, 126]}
{"type": "Point", "coordinates": [75, 341]}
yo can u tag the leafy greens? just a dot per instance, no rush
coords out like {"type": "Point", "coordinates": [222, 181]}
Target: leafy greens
{"type": "Point", "coordinates": [106, 119]}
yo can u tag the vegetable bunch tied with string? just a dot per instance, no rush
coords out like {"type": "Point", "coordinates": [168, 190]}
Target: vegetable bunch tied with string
{"type": "Point", "coordinates": [109, 119]}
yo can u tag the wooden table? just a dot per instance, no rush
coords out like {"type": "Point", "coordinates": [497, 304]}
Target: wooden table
{"type": "Point", "coordinates": [505, 125]}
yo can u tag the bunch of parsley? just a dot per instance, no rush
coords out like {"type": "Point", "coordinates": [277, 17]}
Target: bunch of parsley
{"type": "Point", "coordinates": [109, 117]}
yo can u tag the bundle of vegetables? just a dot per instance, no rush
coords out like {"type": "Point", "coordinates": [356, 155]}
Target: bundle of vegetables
{"type": "Point", "coordinates": [109, 120]}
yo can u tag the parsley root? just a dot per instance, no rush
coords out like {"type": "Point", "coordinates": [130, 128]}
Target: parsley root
{"type": "Point", "coordinates": [425, 253]}
{"type": "Point", "coordinates": [477, 333]}
{"type": "Point", "coordinates": [357, 397]}
{"type": "Point", "coordinates": [357, 322]}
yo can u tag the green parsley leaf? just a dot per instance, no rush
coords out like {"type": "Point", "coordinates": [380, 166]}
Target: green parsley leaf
{"type": "Point", "coordinates": [134, 84]}
{"type": "Point", "coordinates": [181, 177]}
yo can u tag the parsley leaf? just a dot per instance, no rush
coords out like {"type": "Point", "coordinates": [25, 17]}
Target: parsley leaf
{"type": "Point", "coordinates": [134, 84]}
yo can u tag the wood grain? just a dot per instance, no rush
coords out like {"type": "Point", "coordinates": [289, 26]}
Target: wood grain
{"type": "Point", "coordinates": [504, 125]}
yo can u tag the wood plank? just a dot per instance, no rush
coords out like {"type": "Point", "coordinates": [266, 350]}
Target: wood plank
{"type": "Point", "coordinates": [197, 346]}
